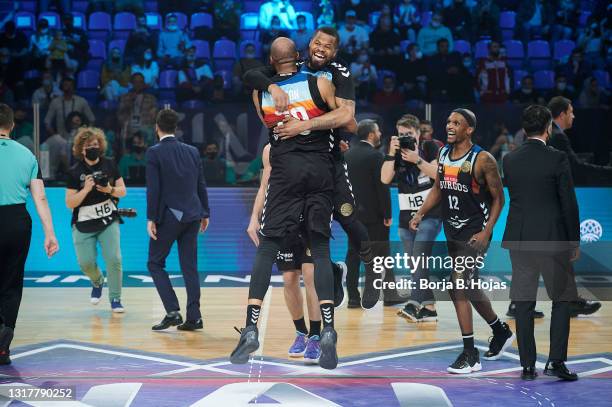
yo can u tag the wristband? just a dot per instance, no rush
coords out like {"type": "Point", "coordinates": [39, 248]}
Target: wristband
{"type": "Point", "coordinates": [389, 157]}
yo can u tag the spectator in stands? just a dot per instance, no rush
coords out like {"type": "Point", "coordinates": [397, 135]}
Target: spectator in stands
{"type": "Point", "coordinates": [533, 18]}
{"type": "Point", "coordinates": [353, 37]}
{"type": "Point", "coordinates": [241, 66]}
{"type": "Point", "coordinates": [115, 78]}
{"type": "Point", "coordinates": [576, 70]}
{"type": "Point", "coordinates": [107, 6]}
{"type": "Point", "coordinates": [389, 95]}
{"type": "Point", "coordinates": [7, 96]}
{"type": "Point", "coordinates": [593, 96]}
{"type": "Point", "coordinates": [185, 6]}
{"type": "Point", "coordinates": [443, 69]}
{"type": "Point", "coordinates": [216, 169]}
{"type": "Point", "coordinates": [270, 35]}
{"type": "Point", "coordinates": [173, 42]}
{"type": "Point", "coordinates": [493, 77]}
{"type": "Point", "coordinates": [458, 18]}
{"type": "Point", "coordinates": [562, 88]}
{"type": "Point", "coordinates": [413, 75]}
{"type": "Point", "coordinates": [461, 83]}
{"type": "Point", "coordinates": [74, 122]}
{"type": "Point", "coordinates": [132, 165]}
{"type": "Point", "coordinates": [23, 132]}
{"type": "Point", "coordinates": [227, 19]}
{"type": "Point", "coordinates": [427, 133]}
{"type": "Point", "coordinates": [139, 40]}
{"type": "Point", "coordinates": [195, 81]}
{"type": "Point", "coordinates": [327, 15]}
{"type": "Point", "coordinates": [566, 19]}
{"type": "Point", "coordinates": [132, 6]}
{"type": "Point", "coordinates": [47, 92]}
{"type": "Point", "coordinates": [137, 109]}
{"type": "Point", "coordinates": [40, 42]}
{"type": "Point", "coordinates": [277, 8]}
{"type": "Point", "coordinates": [428, 36]}
{"type": "Point", "coordinates": [591, 42]}
{"type": "Point", "coordinates": [253, 171]}
{"type": "Point", "coordinates": [365, 77]}
{"type": "Point", "coordinates": [302, 35]}
{"type": "Point", "coordinates": [63, 6]}
{"type": "Point", "coordinates": [55, 157]}
{"type": "Point", "coordinates": [385, 44]}
{"type": "Point", "coordinates": [61, 107]}
{"type": "Point", "coordinates": [504, 143]}
{"type": "Point", "coordinates": [59, 61]}
{"type": "Point", "coordinates": [78, 45]}
{"type": "Point", "coordinates": [16, 43]}
{"type": "Point", "coordinates": [408, 20]}
{"type": "Point", "coordinates": [148, 68]}
{"type": "Point", "coordinates": [487, 19]}
{"type": "Point", "coordinates": [526, 95]}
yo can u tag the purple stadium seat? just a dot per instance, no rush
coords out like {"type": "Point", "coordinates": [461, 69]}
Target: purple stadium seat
{"type": "Point", "coordinates": [515, 53]}
{"type": "Point", "coordinates": [154, 20]}
{"type": "Point", "coordinates": [125, 21]}
{"type": "Point", "coordinates": [167, 79]}
{"type": "Point", "coordinates": [507, 19]}
{"type": "Point", "coordinates": [481, 49]}
{"type": "Point", "coordinates": [249, 35]}
{"type": "Point", "coordinates": [373, 18]}
{"type": "Point", "coordinates": [243, 45]}
{"type": "Point", "coordinates": [563, 49]}
{"type": "Point", "coordinates": [32, 74]}
{"type": "Point", "coordinates": [193, 105]}
{"type": "Point", "coordinates": [538, 53]}
{"type": "Point", "coordinates": [251, 6]}
{"type": "Point", "coordinates": [202, 49]}
{"type": "Point", "coordinates": [166, 100]}
{"type": "Point", "coordinates": [426, 18]}
{"type": "Point", "coordinates": [181, 19]}
{"type": "Point", "coordinates": [29, 6]}
{"type": "Point", "coordinates": [544, 79]}
{"type": "Point", "coordinates": [94, 65]}
{"type": "Point", "coordinates": [462, 47]}
{"type": "Point", "coordinates": [88, 79]}
{"type": "Point", "coordinates": [227, 78]}
{"type": "Point", "coordinates": [518, 75]}
{"type": "Point", "coordinates": [52, 18]}
{"type": "Point", "coordinates": [79, 20]}
{"type": "Point", "coordinates": [224, 49]}
{"type": "Point", "coordinates": [97, 49]}
{"type": "Point", "coordinates": [80, 6]}
{"type": "Point", "coordinates": [584, 17]}
{"type": "Point", "coordinates": [25, 21]}
{"type": "Point", "coordinates": [117, 44]}
{"type": "Point", "coordinates": [310, 23]}
{"type": "Point", "coordinates": [150, 7]}
{"type": "Point", "coordinates": [201, 20]}
{"type": "Point", "coordinates": [100, 21]}
{"type": "Point", "coordinates": [303, 5]}
{"type": "Point", "coordinates": [603, 78]}
{"type": "Point", "coordinates": [249, 21]}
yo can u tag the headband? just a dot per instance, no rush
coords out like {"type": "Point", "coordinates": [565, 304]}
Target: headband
{"type": "Point", "coordinates": [468, 116]}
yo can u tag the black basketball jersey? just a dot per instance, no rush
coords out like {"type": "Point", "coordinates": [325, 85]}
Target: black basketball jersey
{"type": "Point", "coordinates": [465, 203]}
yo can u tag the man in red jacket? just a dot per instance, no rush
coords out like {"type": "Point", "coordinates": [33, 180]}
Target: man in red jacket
{"type": "Point", "coordinates": [493, 76]}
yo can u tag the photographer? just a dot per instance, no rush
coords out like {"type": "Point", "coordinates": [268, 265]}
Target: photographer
{"type": "Point", "coordinates": [413, 165]}
{"type": "Point", "coordinates": [93, 188]}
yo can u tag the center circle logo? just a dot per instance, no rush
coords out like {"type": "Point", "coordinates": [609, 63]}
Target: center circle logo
{"type": "Point", "coordinates": [590, 230]}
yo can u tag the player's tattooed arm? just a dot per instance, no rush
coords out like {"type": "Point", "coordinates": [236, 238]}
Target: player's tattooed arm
{"type": "Point", "coordinates": [486, 170]}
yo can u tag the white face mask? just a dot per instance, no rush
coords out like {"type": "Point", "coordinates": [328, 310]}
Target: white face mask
{"type": "Point", "coordinates": [148, 56]}
{"type": "Point", "coordinates": [436, 24]}
{"type": "Point", "coordinates": [172, 27]}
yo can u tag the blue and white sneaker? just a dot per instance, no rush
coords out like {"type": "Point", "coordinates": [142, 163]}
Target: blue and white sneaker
{"type": "Point", "coordinates": [299, 345]}
{"type": "Point", "coordinates": [96, 294]}
{"type": "Point", "coordinates": [116, 306]}
{"type": "Point", "coordinates": [313, 351]}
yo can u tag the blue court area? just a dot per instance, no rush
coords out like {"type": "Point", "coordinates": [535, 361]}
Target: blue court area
{"type": "Point", "coordinates": [103, 376]}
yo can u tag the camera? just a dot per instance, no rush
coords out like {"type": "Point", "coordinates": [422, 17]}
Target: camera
{"type": "Point", "coordinates": [127, 212]}
{"type": "Point", "coordinates": [408, 142]}
{"type": "Point", "coordinates": [100, 178]}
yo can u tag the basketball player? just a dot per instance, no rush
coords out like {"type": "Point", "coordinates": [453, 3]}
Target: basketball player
{"type": "Point", "coordinates": [292, 259]}
{"type": "Point", "coordinates": [469, 188]}
{"type": "Point", "coordinates": [300, 184]}
{"type": "Point", "coordinates": [322, 50]}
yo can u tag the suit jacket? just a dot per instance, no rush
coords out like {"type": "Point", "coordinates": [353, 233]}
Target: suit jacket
{"type": "Point", "coordinates": [372, 196]}
{"type": "Point", "coordinates": [582, 172]}
{"type": "Point", "coordinates": [175, 181]}
{"type": "Point", "coordinates": [543, 206]}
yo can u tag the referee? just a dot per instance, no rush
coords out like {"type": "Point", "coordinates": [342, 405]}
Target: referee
{"type": "Point", "coordinates": [20, 171]}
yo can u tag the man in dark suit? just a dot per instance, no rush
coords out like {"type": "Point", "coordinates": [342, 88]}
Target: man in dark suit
{"type": "Point", "coordinates": [543, 236]}
{"type": "Point", "coordinates": [373, 199]}
{"type": "Point", "coordinates": [177, 207]}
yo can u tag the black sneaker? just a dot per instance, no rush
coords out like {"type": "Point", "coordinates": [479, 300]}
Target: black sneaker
{"type": "Point", "coordinates": [512, 312]}
{"type": "Point", "coordinates": [410, 312]}
{"type": "Point", "coordinates": [248, 343]}
{"type": "Point", "coordinates": [370, 295]}
{"type": "Point", "coordinates": [499, 343]}
{"type": "Point", "coordinates": [6, 337]}
{"type": "Point", "coordinates": [467, 362]}
{"type": "Point", "coordinates": [584, 307]}
{"type": "Point", "coordinates": [339, 268]}
{"type": "Point", "coordinates": [427, 315]}
{"type": "Point", "coordinates": [329, 357]}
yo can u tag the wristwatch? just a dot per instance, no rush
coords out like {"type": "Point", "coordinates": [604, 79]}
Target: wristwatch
{"type": "Point", "coordinates": [419, 161]}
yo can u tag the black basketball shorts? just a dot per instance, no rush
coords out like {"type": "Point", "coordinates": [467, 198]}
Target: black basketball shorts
{"type": "Point", "coordinates": [293, 254]}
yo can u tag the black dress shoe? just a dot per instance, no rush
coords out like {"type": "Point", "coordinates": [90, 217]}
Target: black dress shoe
{"type": "Point", "coordinates": [529, 373]}
{"type": "Point", "coordinates": [512, 312]}
{"type": "Point", "coordinates": [559, 370]}
{"type": "Point", "coordinates": [6, 337]}
{"type": "Point", "coordinates": [354, 303]}
{"type": "Point", "coordinates": [191, 325]}
{"type": "Point", "coordinates": [584, 307]}
{"type": "Point", "coordinates": [172, 319]}
{"type": "Point", "coordinates": [5, 357]}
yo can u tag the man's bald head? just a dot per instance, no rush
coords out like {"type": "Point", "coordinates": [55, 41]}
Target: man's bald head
{"type": "Point", "coordinates": [283, 51]}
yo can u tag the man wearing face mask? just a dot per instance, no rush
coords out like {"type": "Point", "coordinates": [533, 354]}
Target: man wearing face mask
{"type": "Point", "coordinates": [132, 165]}
{"type": "Point", "coordinates": [493, 77]}
{"type": "Point", "coordinates": [78, 45]}
{"type": "Point", "coordinates": [430, 35]}
{"type": "Point", "coordinates": [61, 107]}
{"type": "Point", "coordinates": [273, 33]}
{"type": "Point", "coordinates": [195, 82]}
{"type": "Point", "coordinates": [526, 95]}
{"type": "Point", "coordinates": [115, 76]}
{"type": "Point", "coordinates": [39, 44]}
{"type": "Point", "coordinates": [138, 108]}
{"type": "Point", "coordinates": [561, 88]}
{"type": "Point", "coordinates": [277, 8]}
{"type": "Point", "coordinates": [302, 35]}
{"type": "Point", "coordinates": [216, 170]}
{"type": "Point", "coordinates": [93, 189]}
{"type": "Point", "coordinates": [248, 62]}
{"type": "Point", "coordinates": [140, 39]}
{"type": "Point", "coordinates": [354, 37]}
{"type": "Point", "coordinates": [365, 77]}
{"type": "Point", "coordinates": [173, 42]}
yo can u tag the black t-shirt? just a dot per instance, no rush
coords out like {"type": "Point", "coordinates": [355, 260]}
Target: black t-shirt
{"type": "Point", "coordinates": [98, 210]}
{"type": "Point", "coordinates": [414, 186]}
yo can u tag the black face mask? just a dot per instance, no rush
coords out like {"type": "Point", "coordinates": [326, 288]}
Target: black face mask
{"type": "Point", "coordinates": [211, 155]}
{"type": "Point", "coordinates": [137, 149]}
{"type": "Point", "coordinates": [92, 154]}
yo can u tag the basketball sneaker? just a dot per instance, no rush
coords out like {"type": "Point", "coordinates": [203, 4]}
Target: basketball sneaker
{"type": "Point", "coordinates": [116, 306]}
{"type": "Point", "coordinates": [467, 362]}
{"type": "Point", "coordinates": [329, 357]}
{"type": "Point", "coordinates": [96, 294]}
{"type": "Point", "coordinates": [427, 315]}
{"type": "Point", "coordinates": [339, 268]}
{"type": "Point", "coordinates": [313, 350]}
{"type": "Point", "coordinates": [499, 343]}
{"type": "Point", "coordinates": [410, 312]}
{"type": "Point", "coordinates": [248, 343]}
{"type": "Point", "coordinates": [299, 345]}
